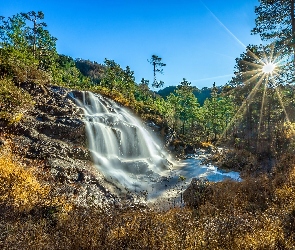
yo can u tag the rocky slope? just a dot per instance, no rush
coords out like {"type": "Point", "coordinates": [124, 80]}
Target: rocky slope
{"type": "Point", "coordinates": [53, 132]}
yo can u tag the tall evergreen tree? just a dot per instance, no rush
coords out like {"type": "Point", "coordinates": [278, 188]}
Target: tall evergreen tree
{"type": "Point", "coordinates": [275, 23]}
{"type": "Point", "coordinates": [23, 41]}
{"type": "Point", "coordinates": [188, 103]}
{"type": "Point", "coordinates": [211, 108]}
{"type": "Point", "coordinates": [37, 26]}
{"type": "Point", "coordinates": [41, 41]}
{"type": "Point", "coordinates": [157, 68]}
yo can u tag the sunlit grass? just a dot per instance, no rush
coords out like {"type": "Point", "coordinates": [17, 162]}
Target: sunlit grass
{"type": "Point", "coordinates": [19, 187]}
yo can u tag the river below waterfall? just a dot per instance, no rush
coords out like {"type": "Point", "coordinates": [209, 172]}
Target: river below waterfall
{"type": "Point", "coordinates": [129, 154]}
{"type": "Point", "coordinates": [170, 188]}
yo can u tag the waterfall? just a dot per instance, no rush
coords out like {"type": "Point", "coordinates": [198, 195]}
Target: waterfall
{"type": "Point", "coordinates": [123, 149]}
{"type": "Point", "coordinates": [128, 154]}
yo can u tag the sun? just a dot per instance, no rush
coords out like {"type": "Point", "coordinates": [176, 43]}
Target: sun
{"type": "Point", "coordinates": [260, 70]}
{"type": "Point", "coordinates": [268, 68]}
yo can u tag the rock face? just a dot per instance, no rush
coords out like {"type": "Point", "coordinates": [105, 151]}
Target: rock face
{"type": "Point", "coordinates": [53, 132]}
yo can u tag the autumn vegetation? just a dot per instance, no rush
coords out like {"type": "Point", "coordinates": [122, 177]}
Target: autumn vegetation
{"type": "Point", "coordinates": [256, 213]}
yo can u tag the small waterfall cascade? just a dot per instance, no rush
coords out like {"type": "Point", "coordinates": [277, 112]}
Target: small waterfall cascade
{"type": "Point", "coordinates": [123, 149]}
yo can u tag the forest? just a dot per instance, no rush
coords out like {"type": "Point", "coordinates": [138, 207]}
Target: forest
{"type": "Point", "coordinates": [252, 116]}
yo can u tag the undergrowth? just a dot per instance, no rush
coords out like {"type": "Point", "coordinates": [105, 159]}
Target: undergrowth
{"type": "Point", "coordinates": [18, 187]}
{"type": "Point", "coordinates": [13, 101]}
{"type": "Point", "coordinates": [256, 213]}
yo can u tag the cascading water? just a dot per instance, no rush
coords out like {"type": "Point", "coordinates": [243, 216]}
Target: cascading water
{"type": "Point", "coordinates": [122, 148]}
{"type": "Point", "coordinates": [127, 154]}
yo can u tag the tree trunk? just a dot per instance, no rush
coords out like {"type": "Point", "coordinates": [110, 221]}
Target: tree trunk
{"type": "Point", "coordinates": [154, 64]}
{"type": "Point", "coordinates": [269, 135]}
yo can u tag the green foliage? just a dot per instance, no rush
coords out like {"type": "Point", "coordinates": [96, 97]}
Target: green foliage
{"type": "Point", "coordinates": [13, 32]}
{"type": "Point", "coordinates": [184, 114]}
{"type": "Point", "coordinates": [142, 91]}
{"type": "Point", "coordinates": [27, 53]}
{"type": "Point", "coordinates": [217, 112]}
{"type": "Point", "coordinates": [200, 94]}
{"type": "Point", "coordinates": [67, 74]}
{"type": "Point", "coordinates": [156, 61]}
{"type": "Point", "coordinates": [13, 101]}
{"type": "Point", "coordinates": [173, 110]}
{"type": "Point", "coordinates": [42, 44]}
{"type": "Point", "coordinates": [275, 23]}
{"type": "Point", "coordinates": [93, 70]}
{"type": "Point", "coordinates": [115, 78]}
{"type": "Point", "coordinates": [188, 103]}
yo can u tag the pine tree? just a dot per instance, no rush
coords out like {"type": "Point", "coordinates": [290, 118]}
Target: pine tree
{"type": "Point", "coordinates": [275, 23]}
{"type": "Point", "coordinates": [157, 68]}
{"type": "Point", "coordinates": [187, 102]}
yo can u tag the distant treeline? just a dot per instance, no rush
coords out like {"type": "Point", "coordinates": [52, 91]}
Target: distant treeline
{"type": "Point", "coordinates": [201, 94]}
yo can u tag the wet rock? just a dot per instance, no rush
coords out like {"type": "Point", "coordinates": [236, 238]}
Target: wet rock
{"type": "Point", "coordinates": [68, 121]}
{"type": "Point", "coordinates": [189, 149]}
{"type": "Point", "coordinates": [153, 126]}
{"type": "Point", "coordinates": [169, 138]}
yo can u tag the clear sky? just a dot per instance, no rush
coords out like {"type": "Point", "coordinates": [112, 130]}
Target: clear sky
{"type": "Point", "coordinates": [198, 40]}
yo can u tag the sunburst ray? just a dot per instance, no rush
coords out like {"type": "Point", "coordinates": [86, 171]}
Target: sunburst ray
{"type": "Point", "coordinates": [242, 109]}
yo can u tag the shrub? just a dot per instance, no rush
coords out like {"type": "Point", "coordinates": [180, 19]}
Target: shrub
{"type": "Point", "coordinates": [22, 66]}
{"type": "Point", "coordinates": [18, 187]}
{"type": "Point", "coordinates": [13, 101]}
{"type": "Point", "coordinates": [237, 160]}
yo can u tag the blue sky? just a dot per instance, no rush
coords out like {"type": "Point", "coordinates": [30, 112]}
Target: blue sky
{"type": "Point", "coordinates": [198, 40]}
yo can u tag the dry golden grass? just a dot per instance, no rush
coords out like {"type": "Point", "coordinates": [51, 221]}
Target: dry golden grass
{"type": "Point", "coordinates": [19, 187]}
{"type": "Point", "coordinates": [257, 213]}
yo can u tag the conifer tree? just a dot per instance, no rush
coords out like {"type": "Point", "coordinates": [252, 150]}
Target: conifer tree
{"type": "Point", "coordinates": [187, 102]}
{"type": "Point", "coordinates": [156, 61]}
{"type": "Point", "coordinates": [275, 23]}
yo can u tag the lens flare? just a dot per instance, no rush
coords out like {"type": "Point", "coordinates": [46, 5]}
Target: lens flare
{"type": "Point", "coordinates": [261, 77]}
{"type": "Point", "coordinates": [269, 68]}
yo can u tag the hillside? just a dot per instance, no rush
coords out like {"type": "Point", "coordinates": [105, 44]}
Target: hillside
{"type": "Point", "coordinates": [65, 198]}
{"type": "Point", "coordinates": [53, 196]}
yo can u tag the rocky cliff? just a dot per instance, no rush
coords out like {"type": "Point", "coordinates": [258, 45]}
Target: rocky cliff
{"type": "Point", "coordinates": [53, 133]}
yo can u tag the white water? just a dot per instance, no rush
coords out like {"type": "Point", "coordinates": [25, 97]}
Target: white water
{"type": "Point", "coordinates": [129, 155]}
{"type": "Point", "coordinates": [122, 148]}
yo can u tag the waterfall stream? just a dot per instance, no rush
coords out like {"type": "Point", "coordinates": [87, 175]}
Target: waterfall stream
{"type": "Point", "coordinates": [121, 146]}
{"type": "Point", "coordinates": [128, 154]}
